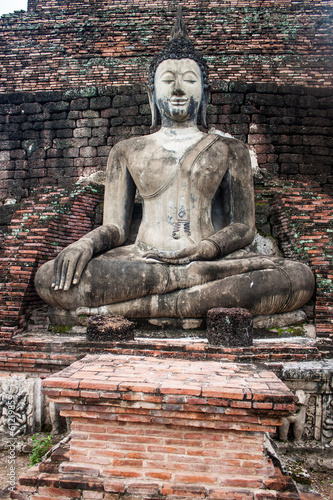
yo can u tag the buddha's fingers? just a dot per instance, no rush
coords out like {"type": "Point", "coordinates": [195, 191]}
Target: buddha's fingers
{"type": "Point", "coordinates": [83, 260]}
{"type": "Point", "coordinates": [66, 272]}
{"type": "Point", "coordinates": [58, 270]}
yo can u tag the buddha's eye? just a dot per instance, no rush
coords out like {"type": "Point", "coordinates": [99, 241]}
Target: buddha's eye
{"type": "Point", "coordinates": [190, 77]}
{"type": "Point", "coordinates": [168, 80]}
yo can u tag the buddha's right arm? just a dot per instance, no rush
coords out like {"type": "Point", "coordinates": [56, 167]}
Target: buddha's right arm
{"type": "Point", "coordinates": [118, 203]}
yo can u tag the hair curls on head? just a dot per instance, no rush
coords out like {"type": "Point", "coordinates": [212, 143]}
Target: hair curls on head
{"type": "Point", "coordinates": [178, 49]}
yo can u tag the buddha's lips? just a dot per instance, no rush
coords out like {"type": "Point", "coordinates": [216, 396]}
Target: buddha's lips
{"type": "Point", "coordinates": [178, 102]}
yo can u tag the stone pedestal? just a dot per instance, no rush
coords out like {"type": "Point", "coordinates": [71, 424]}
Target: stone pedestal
{"type": "Point", "coordinates": [164, 428]}
{"type": "Point", "coordinates": [230, 327]}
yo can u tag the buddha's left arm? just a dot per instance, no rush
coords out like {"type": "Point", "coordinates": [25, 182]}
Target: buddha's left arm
{"type": "Point", "coordinates": [239, 189]}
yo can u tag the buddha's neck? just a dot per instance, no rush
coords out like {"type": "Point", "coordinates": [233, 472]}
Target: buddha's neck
{"type": "Point", "coordinates": [178, 140]}
{"type": "Point", "coordinates": [175, 134]}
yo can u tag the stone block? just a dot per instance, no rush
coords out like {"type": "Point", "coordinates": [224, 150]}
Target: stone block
{"type": "Point", "coordinates": [222, 98]}
{"type": "Point", "coordinates": [144, 109]}
{"type": "Point", "coordinates": [21, 397]}
{"type": "Point", "coordinates": [71, 153]}
{"type": "Point", "coordinates": [108, 113]}
{"type": "Point", "coordinates": [6, 175]}
{"type": "Point", "coordinates": [4, 156]}
{"type": "Point", "coordinates": [96, 141]}
{"type": "Point", "coordinates": [109, 328]}
{"type": "Point", "coordinates": [120, 101]}
{"type": "Point", "coordinates": [88, 152]}
{"type": "Point", "coordinates": [79, 104]}
{"type": "Point", "coordinates": [93, 122]}
{"type": "Point", "coordinates": [74, 115]}
{"type": "Point", "coordinates": [38, 125]}
{"type": "Point", "coordinates": [31, 108]}
{"type": "Point", "coordinates": [308, 101]}
{"type": "Point", "coordinates": [100, 102]}
{"type": "Point", "coordinates": [82, 132]}
{"type": "Point", "coordinates": [17, 154]}
{"type": "Point", "coordinates": [30, 134]}
{"type": "Point", "coordinates": [90, 113]}
{"type": "Point", "coordinates": [57, 106]}
{"type": "Point", "coordinates": [229, 327]}
{"type": "Point", "coordinates": [100, 132]}
{"type": "Point", "coordinates": [130, 120]}
{"type": "Point", "coordinates": [289, 168]}
{"type": "Point", "coordinates": [65, 133]}
{"type": "Point", "coordinates": [103, 150]}
{"type": "Point", "coordinates": [54, 153]}
{"type": "Point", "coordinates": [9, 144]}
{"type": "Point", "coordinates": [264, 99]}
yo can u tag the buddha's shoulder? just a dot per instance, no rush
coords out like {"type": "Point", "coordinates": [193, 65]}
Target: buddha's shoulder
{"type": "Point", "coordinates": [227, 146]}
{"type": "Point", "coordinates": [132, 145]}
{"type": "Point", "coordinates": [227, 140]}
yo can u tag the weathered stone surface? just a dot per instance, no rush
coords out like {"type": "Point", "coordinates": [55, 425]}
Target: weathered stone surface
{"type": "Point", "coordinates": [229, 327]}
{"type": "Point", "coordinates": [280, 320]}
{"type": "Point", "coordinates": [110, 328]}
{"type": "Point", "coordinates": [177, 170]}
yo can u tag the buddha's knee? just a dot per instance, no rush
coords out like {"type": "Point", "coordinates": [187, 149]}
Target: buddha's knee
{"type": "Point", "coordinates": [43, 282]}
{"type": "Point", "coordinates": [284, 288]}
{"type": "Point", "coordinates": [301, 284]}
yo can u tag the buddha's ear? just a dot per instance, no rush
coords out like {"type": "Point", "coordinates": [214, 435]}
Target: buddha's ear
{"type": "Point", "coordinates": [204, 104]}
{"type": "Point", "coordinates": [153, 108]}
{"type": "Point", "coordinates": [203, 107]}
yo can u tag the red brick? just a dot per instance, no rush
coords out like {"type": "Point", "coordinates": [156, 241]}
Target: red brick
{"type": "Point", "coordinates": [121, 473]}
{"type": "Point", "coordinates": [114, 486]}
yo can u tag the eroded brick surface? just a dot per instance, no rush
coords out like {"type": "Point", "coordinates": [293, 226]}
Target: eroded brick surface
{"type": "Point", "coordinates": [39, 230]}
{"type": "Point", "coordinates": [82, 43]}
{"type": "Point", "coordinates": [45, 354]}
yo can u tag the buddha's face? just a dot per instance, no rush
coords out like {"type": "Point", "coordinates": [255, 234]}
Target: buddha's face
{"type": "Point", "coordinates": [178, 89]}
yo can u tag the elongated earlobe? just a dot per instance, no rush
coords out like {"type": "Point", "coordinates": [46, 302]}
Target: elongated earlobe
{"type": "Point", "coordinates": [153, 108]}
{"type": "Point", "coordinates": [203, 107]}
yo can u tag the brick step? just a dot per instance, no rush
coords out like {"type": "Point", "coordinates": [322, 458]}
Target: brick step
{"type": "Point", "coordinates": [49, 353]}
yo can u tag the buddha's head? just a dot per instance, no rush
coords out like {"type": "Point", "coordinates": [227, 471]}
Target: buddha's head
{"type": "Point", "coordinates": [178, 79]}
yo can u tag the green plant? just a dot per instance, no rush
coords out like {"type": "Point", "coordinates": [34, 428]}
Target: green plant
{"type": "Point", "coordinates": [40, 445]}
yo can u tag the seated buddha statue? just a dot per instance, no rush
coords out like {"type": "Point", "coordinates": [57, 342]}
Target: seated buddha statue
{"type": "Point", "coordinates": [198, 218]}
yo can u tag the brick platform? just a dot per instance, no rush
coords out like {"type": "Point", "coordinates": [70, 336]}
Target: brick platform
{"type": "Point", "coordinates": [47, 479]}
{"type": "Point", "coordinates": [164, 428]}
{"type": "Point", "coordinates": [47, 354]}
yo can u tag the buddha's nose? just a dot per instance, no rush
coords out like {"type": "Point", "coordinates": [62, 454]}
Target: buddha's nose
{"type": "Point", "coordinates": [178, 88]}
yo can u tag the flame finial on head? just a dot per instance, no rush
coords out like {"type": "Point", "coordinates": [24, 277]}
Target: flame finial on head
{"type": "Point", "coordinates": [178, 47]}
{"type": "Point", "coordinates": [179, 30]}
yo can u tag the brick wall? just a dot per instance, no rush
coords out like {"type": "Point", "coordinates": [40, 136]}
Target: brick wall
{"type": "Point", "coordinates": [300, 216]}
{"type": "Point", "coordinates": [50, 220]}
{"type": "Point", "coordinates": [62, 44]}
{"type": "Point", "coordinates": [54, 138]}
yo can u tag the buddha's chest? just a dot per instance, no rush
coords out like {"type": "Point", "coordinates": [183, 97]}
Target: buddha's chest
{"type": "Point", "coordinates": [164, 171]}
